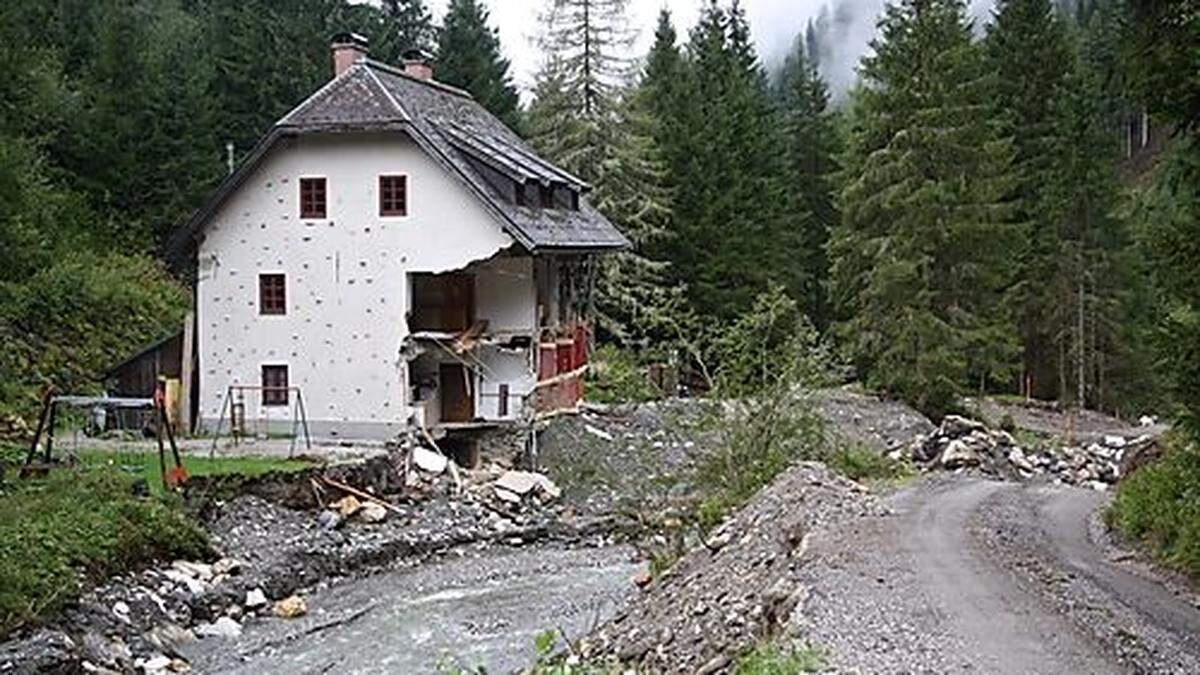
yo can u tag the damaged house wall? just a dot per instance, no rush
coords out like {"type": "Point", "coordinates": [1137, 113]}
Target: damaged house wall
{"type": "Point", "coordinates": [345, 279]}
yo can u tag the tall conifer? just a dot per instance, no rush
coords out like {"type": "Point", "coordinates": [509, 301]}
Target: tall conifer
{"type": "Point", "coordinates": [921, 256]}
{"type": "Point", "coordinates": [469, 57]}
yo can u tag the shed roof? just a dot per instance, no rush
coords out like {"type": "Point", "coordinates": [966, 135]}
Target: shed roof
{"type": "Point", "coordinates": [449, 125]}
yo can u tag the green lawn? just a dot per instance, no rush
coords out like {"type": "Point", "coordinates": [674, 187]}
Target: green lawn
{"type": "Point", "coordinates": [145, 464]}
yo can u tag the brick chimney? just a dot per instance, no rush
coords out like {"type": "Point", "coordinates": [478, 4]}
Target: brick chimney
{"type": "Point", "coordinates": [347, 48]}
{"type": "Point", "coordinates": [418, 64]}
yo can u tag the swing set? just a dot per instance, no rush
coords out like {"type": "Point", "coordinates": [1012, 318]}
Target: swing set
{"type": "Point", "coordinates": [173, 477]}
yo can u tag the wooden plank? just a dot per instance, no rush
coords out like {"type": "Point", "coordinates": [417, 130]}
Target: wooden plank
{"type": "Point", "coordinates": [186, 364]}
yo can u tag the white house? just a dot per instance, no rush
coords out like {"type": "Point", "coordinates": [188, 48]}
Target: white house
{"type": "Point", "coordinates": [390, 254]}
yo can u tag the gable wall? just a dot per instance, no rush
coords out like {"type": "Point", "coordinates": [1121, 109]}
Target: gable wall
{"type": "Point", "coordinates": [346, 279]}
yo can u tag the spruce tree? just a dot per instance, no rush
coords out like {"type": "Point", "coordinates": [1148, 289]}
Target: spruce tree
{"type": "Point", "coordinates": [1085, 281]}
{"type": "Point", "coordinates": [921, 257]}
{"type": "Point", "coordinates": [812, 143]}
{"type": "Point", "coordinates": [1028, 51]}
{"type": "Point", "coordinates": [469, 57]}
{"type": "Point", "coordinates": [407, 25]}
{"type": "Point", "coordinates": [738, 224]}
{"type": "Point", "coordinates": [588, 119]}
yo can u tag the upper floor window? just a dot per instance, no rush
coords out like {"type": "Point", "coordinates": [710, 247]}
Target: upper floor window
{"type": "Point", "coordinates": [393, 195]}
{"type": "Point", "coordinates": [272, 294]}
{"type": "Point", "coordinates": [312, 198]}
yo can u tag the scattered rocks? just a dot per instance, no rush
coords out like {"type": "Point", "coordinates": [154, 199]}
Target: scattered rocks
{"type": "Point", "coordinates": [330, 519]}
{"type": "Point", "coordinates": [961, 443]}
{"type": "Point", "coordinates": [223, 627]}
{"type": "Point", "coordinates": [291, 607]}
{"type": "Point", "coordinates": [429, 461]}
{"type": "Point", "coordinates": [371, 512]}
{"type": "Point", "coordinates": [347, 506]}
{"type": "Point", "coordinates": [255, 598]}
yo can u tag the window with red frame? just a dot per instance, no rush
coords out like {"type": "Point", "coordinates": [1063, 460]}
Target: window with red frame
{"type": "Point", "coordinates": [312, 198]}
{"type": "Point", "coordinates": [393, 195]}
{"type": "Point", "coordinates": [275, 385]}
{"type": "Point", "coordinates": [272, 294]}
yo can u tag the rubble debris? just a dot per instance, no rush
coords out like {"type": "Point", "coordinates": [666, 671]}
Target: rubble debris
{"type": "Point", "coordinates": [255, 598]}
{"type": "Point", "coordinates": [347, 506]}
{"type": "Point", "coordinates": [361, 495]}
{"type": "Point", "coordinates": [330, 519]}
{"type": "Point", "coordinates": [429, 461]}
{"type": "Point", "coordinates": [961, 443]}
{"type": "Point", "coordinates": [291, 607]}
{"type": "Point", "coordinates": [371, 513]}
{"type": "Point", "coordinates": [598, 432]}
{"type": "Point", "coordinates": [223, 627]}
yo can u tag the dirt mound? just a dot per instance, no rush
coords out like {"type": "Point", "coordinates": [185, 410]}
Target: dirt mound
{"type": "Point", "coordinates": [739, 586]}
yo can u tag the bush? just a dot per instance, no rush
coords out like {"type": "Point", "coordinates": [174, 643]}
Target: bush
{"type": "Point", "coordinates": [858, 462]}
{"type": "Point", "coordinates": [69, 322]}
{"type": "Point", "coordinates": [617, 377]}
{"type": "Point", "coordinates": [762, 411]}
{"type": "Point", "coordinates": [1159, 506]}
{"type": "Point", "coordinates": [77, 527]}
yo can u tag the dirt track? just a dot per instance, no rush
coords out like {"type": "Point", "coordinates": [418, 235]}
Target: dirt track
{"type": "Point", "coordinates": [981, 576]}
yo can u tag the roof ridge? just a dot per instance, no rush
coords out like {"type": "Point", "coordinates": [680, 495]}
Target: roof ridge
{"type": "Point", "coordinates": [388, 94]}
{"type": "Point", "coordinates": [392, 70]}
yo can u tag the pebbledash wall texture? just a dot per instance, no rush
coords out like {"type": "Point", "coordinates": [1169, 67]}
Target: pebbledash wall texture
{"type": "Point", "coordinates": [346, 285]}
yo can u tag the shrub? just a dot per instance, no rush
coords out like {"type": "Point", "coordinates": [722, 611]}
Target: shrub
{"type": "Point", "coordinates": [859, 462]}
{"type": "Point", "coordinates": [775, 658]}
{"type": "Point", "coordinates": [77, 527]}
{"type": "Point", "coordinates": [762, 409]}
{"type": "Point", "coordinates": [1159, 506]}
{"type": "Point", "coordinates": [617, 377]}
{"type": "Point", "coordinates": [72, 320]}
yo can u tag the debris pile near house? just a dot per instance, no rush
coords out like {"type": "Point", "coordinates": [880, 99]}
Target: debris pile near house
{"type": "Point", "coordinates": [738, 586]}
{"type": "Point", "coordinates": [961, 443]}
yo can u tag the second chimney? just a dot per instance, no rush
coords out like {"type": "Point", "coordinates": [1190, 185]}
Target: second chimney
{"type": "Point", "coordinates": [347, 49]}
{"type": "Point", "coordinates": [418, 64]}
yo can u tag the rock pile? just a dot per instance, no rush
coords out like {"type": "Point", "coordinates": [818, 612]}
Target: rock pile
{"type": "Point", "coordinates": [961, 443]}
{"type": "Point", "coordinates": [740, 584]}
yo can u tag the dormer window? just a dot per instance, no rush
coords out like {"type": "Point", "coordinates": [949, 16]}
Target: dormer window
{"type": "Point", "coordinates": [546, 196]}
{"type": "Point", "coordinates": [312, 198]}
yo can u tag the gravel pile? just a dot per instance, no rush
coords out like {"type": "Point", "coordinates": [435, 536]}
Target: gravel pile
{"type": "Point", "coordinates": [961, 443]}
{"type": "Point", "coordinates": [739, 586]}
{"type": "Point", "coordinates": [873, 421]}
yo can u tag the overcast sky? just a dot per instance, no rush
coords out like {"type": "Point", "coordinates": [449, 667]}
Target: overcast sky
{"type": "Point", "coordinates": [773, 24]}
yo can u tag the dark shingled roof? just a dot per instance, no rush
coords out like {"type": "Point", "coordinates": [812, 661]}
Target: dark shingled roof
{"type": "Point", "coordinates": [454, 129]}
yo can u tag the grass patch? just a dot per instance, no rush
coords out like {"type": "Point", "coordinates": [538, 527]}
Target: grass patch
{"type": "Point", "coordinates": [1159, 506]}
{"type": "Point", "coordinates": [79, 526]}
{"type": "Point", "coordinates": [145, 465]}
{"type": "Point", "coordinates": [861, 463]}
{"type": "Point", "coordinates": [775, 658]}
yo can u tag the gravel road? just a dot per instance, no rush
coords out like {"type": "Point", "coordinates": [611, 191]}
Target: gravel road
{"type": "Point", "coordinates": [981, 576]}
{"type": "Point", "coordinates": [484, 610]}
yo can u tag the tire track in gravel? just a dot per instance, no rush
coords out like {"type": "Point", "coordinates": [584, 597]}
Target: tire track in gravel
{"type": "Point", "coordinates": [919, 592]}
{"type": "Point", "coordinates": [1002, 628]}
